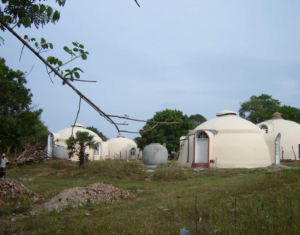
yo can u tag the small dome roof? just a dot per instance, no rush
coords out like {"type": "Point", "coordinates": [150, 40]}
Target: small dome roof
{"type": "Point", "coordinates": [282, 125]}
{"type": "Point", "coordinates": [227, 120]}
{"type": "Point", "coordinates": [66, 133]}
{"type": "Point", "coordinates": [120, 145]}
{"type": "Point", "coordinates": [120, 140]}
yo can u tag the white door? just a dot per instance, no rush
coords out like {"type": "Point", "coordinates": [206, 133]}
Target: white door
{"type": "Point", "coordinates": [50, 144]}
{"type": "Point", "coordinates": [201, 147]}
{"type": "Point", "coordinates": [98, 152]}
{"type": "Point", "coordinates": [277, 150]}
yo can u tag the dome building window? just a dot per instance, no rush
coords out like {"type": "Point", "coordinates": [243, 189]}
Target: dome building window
{"type": "Point", "coordinates": [98, 149]}
{"type": "Point", "coordinates": [265, 128]}
{"type": "Point", "coordinates": [202, 135]}
{"type": "Point", "coordinates": [132, 152]}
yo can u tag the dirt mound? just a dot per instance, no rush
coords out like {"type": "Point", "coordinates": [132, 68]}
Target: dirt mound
{"type": "Point", "coordinates": [14, 189]}
{"type": "Point", "coordinates": [81, 196]}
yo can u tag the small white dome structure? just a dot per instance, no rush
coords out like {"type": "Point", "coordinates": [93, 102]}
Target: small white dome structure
{"type": "Point", "coordinates": [122, 148]}
{"type": "Point", "coordinates": [228, 141]}
{"type": "Point", "coordinates": [155, 154]}
{"type": "Point", "coordinates": [290, 135]}
{"type": "Point", "coordinates": [59, 139]}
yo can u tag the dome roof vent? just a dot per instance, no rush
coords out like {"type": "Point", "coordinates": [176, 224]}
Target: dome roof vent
{"type": "Point", "coordinates": [225, 113]}
{"type": "Point", "coordinates": [277, 116]}
{"type": "Point", "coordinates": [77, 125]}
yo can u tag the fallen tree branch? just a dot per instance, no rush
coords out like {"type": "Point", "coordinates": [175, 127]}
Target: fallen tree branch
{"type": "Point", "coordinates": [136, 120]}
{"type": "Point", "coordinates": [66, 81]}
{"type": "Point", "coordinates": [82, 96]}
{"type": "Point", "coordinates": [140, 131]}
{"type": "Point", "coordinates": [79, 80]}
{"type": "Point", "coordinates": [137, 3]}
{"type": "Point", "coordinates": [76, 115]}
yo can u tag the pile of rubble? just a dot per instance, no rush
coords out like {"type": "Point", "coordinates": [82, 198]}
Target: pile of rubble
{"type": "Point", "coordinates": [82, 196]}
{"type": "Point", "coordinates": [33, 154]}
{"type": "Point", "coordinates": [14, 189]}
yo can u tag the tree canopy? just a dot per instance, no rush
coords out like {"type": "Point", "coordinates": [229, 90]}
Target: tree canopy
{"type": "Point", "coordinates": [165, 132]}
{"type": "Point", "coordinates": [28, 12]}
{"type": "Point", "coordinates": [20, 124]}
{"type": "Point", "coordinates": [99, 133]}
{"type": "Point", "coordinates": [261, 108]}
{"type": "Point", "coordinates": [197, 119]}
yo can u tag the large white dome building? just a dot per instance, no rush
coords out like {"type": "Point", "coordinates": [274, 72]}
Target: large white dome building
{"type": "Point", "coordinates": [58, 141]}
{"type": "Point", "coordinates": [229, 141]}
{"type": "Point", "coordinates": [290, 135]}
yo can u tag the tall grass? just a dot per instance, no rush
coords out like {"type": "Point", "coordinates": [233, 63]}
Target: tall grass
{"type": "Point", "coordinates": [212, 201]}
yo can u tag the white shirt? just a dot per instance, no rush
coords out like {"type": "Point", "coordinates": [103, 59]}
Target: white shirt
{"type": "Point", "coordinates": [3, 162]}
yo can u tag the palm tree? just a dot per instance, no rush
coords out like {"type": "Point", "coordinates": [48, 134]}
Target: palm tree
{"type": "Point", "coordinates": [78, 145]}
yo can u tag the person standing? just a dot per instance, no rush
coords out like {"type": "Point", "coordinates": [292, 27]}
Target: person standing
{"type": "Point", "coordinates": [3, 162]}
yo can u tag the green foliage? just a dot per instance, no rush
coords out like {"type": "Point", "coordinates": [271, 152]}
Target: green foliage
{"type": "Point", "coordinates": [20, 126]}
{"type": "Point", "coordinates": [197, 119]}
{"type": "Point", "coordinates": [290, 113]}
{"type": "Point", "coordinates": [28, 13]}
{"type": "Point", "coordinates": [99, 133]}
{"type": "Point", "coordinates": [261, 108]}
{"type": "Point", "coordinates": [165, 132]}
{"type": "Point", "coordinates": [79, 144]}
{"type": "Point", "coordinates": [77, 52]}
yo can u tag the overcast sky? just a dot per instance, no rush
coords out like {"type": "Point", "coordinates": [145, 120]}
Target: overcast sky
{"type": "Point", "coordinates": [197, 56]}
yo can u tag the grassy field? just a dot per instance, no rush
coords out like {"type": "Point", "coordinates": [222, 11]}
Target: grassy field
{"type": "Point", "coordinates": [210, 201]}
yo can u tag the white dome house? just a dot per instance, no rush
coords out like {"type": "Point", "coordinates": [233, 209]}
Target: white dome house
{"type": "Point", "coordinates": [229, 141]}
{"type": "Point", "coordinates": [290, 135]}
{"type": "Point", "coordinates": [57, 143]}
{"type": "Point", "coordinates": [122, 148]}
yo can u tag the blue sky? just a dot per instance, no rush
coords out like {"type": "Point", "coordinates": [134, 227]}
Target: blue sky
{"type": "Point", "coordinates": [197, 56]}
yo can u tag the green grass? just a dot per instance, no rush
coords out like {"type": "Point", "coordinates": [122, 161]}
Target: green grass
{"type": "Point", "coordinates": [212, 201]}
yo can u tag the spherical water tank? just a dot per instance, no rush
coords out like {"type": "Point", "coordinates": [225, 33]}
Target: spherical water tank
{"type": "Point", "coordinates": [155, 154]}
{"type": "Point", "coordinates": [60, 152]}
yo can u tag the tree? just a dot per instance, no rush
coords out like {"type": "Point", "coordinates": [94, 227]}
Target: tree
{"type": "Point", "coordinates": [99, 133]}
{"type": "Point", "coordinates": [166, 132]}
{"type": "Point", "coordinates": [20, 125]}
{"type": "Point", "coordinates": [28, 12]}
{"type": "Point", "coordinates": [290, 113]}
{"type": "Point", "coordinates": [79, 144]}
{"type": "Point", "coordinates": [197, 119]}
{"type": "Point", "coordinates": [261, 108]}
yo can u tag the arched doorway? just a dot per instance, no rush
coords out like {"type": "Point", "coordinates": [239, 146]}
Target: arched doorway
{"type": "Point", "coordinates": [98, 151]}
{"type": "Point", "coordinates": [201, 158]}
{"type": "Point", "coordinates": [132, 153]}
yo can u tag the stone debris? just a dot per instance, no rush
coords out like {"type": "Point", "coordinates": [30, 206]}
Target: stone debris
{"type": "Point", "coordinates": [14, 189]}
{"type": "Point", "coordinates": [82, 196]}
{"type": "Point", "coordinates": [24, 179]}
